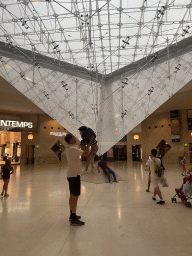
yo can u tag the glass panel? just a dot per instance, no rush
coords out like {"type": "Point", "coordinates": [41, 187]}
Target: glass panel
{"type": "Point", "coordinates": [102, 36]}
{"type": "Point", "coordinates": [70, 31]}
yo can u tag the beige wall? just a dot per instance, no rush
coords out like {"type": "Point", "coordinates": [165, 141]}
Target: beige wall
{"type": "Point", "coordinates": [149, 138]}
{"type": "Point", "coordinates": [44, 154]}
{"type": "Point", "coordinates": [43, 139]}
{"type": "Point", "coordinates": [34, 118]}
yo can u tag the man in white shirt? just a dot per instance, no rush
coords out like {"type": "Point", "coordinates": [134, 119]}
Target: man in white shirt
{"type": "Point", "coordinates": [155, 180]}
{"type": "Point", "coordinates": [73, 176]}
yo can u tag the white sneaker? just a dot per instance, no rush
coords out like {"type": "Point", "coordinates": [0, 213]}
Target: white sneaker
{"type": "Point", "coordinates": [110, 182]}
{"type": "Point", "coordinates": [6, 195]}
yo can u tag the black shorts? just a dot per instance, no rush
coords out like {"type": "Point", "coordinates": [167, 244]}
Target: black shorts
{"type": "Point", "coordinates": [75, 185]}
{"type": "Point", "coordinates": [6, 178]}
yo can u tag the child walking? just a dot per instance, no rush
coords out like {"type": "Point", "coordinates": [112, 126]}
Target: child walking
{"type": "Point", "coordinates": [183, 162]}
{"type": "Point", "coordinates": [6, 170]}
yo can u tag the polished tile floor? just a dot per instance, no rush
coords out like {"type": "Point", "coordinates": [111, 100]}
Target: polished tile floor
{"type": "Point", "coordinates": [120, 218]}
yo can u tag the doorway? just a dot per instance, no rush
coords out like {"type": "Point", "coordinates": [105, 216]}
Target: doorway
{"type": "Point", "coordinates": [190, 152]}
{"type": "Point", "coordinates": [30, 152]}
{"type": "Point", "coordinates": [136, 153]}
{"type": "Point", "coordinates": [120, 153]}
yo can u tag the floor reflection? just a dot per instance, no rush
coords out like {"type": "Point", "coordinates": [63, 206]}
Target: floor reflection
{"type": "Point", "coordinates": [34, 219]}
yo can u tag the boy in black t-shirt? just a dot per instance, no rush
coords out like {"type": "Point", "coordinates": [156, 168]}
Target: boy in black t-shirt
{"type": "Point", "coordinates": [86, 134]}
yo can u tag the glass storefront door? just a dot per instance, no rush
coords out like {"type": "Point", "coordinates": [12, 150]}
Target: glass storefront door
{"type": "Point", "coordinates": [10, 146]}
{"type": "Point", "coordinates": [120, 153]}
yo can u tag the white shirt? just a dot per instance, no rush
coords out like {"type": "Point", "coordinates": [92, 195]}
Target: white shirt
{"type": "Point", "coordinates": [151, 165]}
{"type": "Point", "coordinates": [74, 161]}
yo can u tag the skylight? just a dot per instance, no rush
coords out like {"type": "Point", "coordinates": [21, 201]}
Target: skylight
{"type": "Point", "coordinates": [98, 35]}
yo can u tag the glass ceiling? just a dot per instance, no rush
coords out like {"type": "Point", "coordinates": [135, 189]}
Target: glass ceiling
{"type": "Point", "coordinates": [105, 38]}
{"type": "Point", "coordinates": [98, 35]}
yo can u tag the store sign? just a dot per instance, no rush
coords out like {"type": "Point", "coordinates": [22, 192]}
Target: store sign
{"type": "Point", "coordinates": [9, 123]}
{"type": "Point", "coordinates": [58, 134]}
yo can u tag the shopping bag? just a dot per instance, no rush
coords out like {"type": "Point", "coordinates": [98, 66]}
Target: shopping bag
{"type": "Point", "coordinates": [163, 181]}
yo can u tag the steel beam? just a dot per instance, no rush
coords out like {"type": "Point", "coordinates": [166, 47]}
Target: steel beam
{"type": "Point", "coordinates": [27, 56]}
{"type": "Point", "coordinates": [175, 50]}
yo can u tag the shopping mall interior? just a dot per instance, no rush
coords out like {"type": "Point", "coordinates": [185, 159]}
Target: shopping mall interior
{"type": "Point", "coordinates": [122, 68]}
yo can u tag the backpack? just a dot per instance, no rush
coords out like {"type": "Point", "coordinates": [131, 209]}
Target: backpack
{"type": "Point", "coordinates": [158, 170]}
{"type": "Point", "coordinates": [180, 163]}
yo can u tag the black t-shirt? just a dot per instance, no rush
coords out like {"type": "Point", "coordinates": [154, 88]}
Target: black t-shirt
{"type": "Point", "coordinates": [86, 137]}
{"type": "Point", "coordinates": [5, 172]}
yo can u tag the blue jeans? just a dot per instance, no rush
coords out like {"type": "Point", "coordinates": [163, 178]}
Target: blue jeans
{"type": "Point", "coordinates": [108, 171]}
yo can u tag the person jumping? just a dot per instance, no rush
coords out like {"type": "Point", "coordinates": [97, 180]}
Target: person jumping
{"type": "Point", "coordinates": [86, 134]}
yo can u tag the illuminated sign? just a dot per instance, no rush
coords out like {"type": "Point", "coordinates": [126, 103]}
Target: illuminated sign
{"type": "Point", "coordinates": [58, 134]}
{"type": "Point", "coordinates": [9, 123]}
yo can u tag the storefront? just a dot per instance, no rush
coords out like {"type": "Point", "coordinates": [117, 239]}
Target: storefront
{"type": "Point", "coordinates": [10, 146]}
{"type": "Point", "coordinates": [11, 129]}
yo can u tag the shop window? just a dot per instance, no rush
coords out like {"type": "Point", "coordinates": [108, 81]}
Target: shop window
{"type": "Point", "coordinates": [120, 153]}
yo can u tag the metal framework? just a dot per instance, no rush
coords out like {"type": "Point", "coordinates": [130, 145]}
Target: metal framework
{"type": "Point", "coordinates": [107, 64]}
{"type": "Point", "coordinates": [33, 58]}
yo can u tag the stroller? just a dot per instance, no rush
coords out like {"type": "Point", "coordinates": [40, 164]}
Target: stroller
{"type": "Point", "coordinates": [184, 192]}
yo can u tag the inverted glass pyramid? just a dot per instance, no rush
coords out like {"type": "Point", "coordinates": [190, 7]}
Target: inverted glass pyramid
{"type": "Point", "coordinates": [103, 64]}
